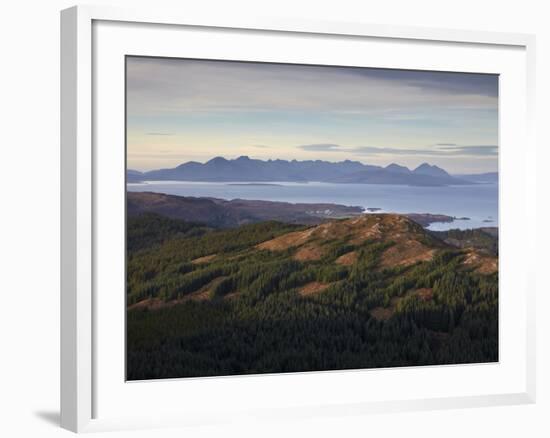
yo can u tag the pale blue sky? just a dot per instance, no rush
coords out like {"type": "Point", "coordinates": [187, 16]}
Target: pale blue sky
{"type": "Point", "coordinates": [182, 110]}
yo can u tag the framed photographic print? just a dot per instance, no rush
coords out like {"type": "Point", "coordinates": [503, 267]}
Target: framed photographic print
{"type": "Point", "coordinates": [270, 207]}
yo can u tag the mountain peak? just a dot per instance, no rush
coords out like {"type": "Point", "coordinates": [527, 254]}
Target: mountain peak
{"type": "Point", "coordinates": [431, 170]}
{"type": "Point", "coordinates": [216, 160]}
{"type": "Point", "coordinates": [424, 166]}
{"type": "Point", "coordinates": [393, 167]}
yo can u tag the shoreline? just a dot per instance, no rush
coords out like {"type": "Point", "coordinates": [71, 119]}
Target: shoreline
{"type": "Point", "coordinates": [312, 212]}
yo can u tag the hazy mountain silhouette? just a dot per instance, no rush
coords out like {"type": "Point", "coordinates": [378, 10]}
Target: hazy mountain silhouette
{"type": "Point", "coordinates": [245, 169]}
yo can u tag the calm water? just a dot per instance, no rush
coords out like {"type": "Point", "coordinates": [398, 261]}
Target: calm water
{"type": "Point", "coordinates": [478, 202]}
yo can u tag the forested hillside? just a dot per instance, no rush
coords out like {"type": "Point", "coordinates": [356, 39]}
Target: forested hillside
{"type": "Point", "coordinates": [371, 291]}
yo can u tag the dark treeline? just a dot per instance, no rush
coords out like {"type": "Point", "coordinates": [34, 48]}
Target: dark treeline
{"type": "Point", "coordinates": [267, 326]}
{"type": "Point", "coordinates": [476, 238]}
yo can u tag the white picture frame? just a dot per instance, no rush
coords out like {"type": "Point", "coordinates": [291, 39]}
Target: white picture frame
{"type": "Point", "coordinates": [80, 176]}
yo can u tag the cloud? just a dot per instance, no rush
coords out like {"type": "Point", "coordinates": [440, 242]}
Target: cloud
{"type": "Point", "coordinates": [371, 150]}
{"type": "Point", "coordinates": [154, 157]}
{"type": "Point", "coordinates": [321, 147]}
{"type": "Point", "coordinates": [159, 133]}
{"type": "Point", "coordinates": [180, 86]}
{"type": "Point", "coordinates": [487, 150]}
{"type": "Point", "coordinates": [449, 82]}
{"type": "Point", "coordinates": [438, 150]}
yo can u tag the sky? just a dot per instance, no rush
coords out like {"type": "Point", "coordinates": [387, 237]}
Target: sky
{"type": "Point", "coordinates": [181, 110]}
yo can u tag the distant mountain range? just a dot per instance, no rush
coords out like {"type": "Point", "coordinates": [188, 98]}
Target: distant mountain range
{"type": "Point", "coordinates": [245, 169]}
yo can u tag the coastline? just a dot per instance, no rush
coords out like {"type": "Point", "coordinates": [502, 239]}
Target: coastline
{"type": "Point", "coordinates": [313, 212]}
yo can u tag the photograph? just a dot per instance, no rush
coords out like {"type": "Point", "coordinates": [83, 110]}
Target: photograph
{"type": "Point", "coordinates": [285, 218]}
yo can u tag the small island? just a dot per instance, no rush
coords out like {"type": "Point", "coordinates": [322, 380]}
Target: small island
{"type": "Point", "coordinates": [426, 219]}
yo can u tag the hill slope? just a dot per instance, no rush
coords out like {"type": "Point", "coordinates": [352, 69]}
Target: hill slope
{"type": "Point", "coordinates": [223, 213]}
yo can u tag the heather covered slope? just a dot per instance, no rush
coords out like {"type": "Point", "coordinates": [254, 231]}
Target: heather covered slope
{"type": "Point", "coordinates": [370, 291]}
{"type": "Point", "coordinates": [231, 213]}
{"type": "Point", "coordinates": [224, 213]}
